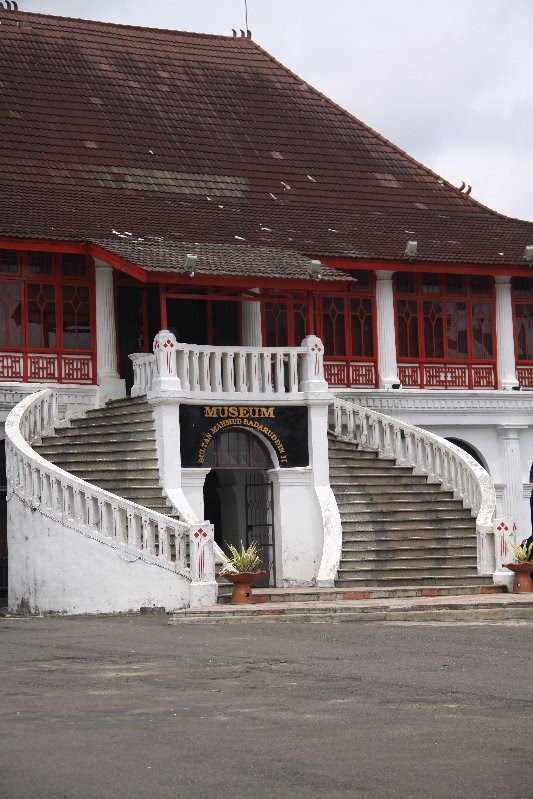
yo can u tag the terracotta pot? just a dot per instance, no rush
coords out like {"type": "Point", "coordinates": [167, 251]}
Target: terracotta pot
{"type": "Point", "coordinates": [242, 588]}
{"type": "Point", "coordinates": [523, 582]}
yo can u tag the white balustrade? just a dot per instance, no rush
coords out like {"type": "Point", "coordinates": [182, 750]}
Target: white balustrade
{"type": "Point", "coordinates": [430, 455]}
{"type": "Point", "coordinates": [193, 369]}
{"type": "Point", "coordinates": [133, 530]}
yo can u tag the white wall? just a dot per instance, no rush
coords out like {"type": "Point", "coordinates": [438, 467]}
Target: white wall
{"type": "Point", "coordinates": [53, 568]}
{"type": "Point", "coordinates": [298, 527]}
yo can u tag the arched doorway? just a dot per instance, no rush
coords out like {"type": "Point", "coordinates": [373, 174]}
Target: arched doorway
{"type": "Point", "coordinates": [238, 495]}
{"type": "Point", "coordinates": [469, 450]}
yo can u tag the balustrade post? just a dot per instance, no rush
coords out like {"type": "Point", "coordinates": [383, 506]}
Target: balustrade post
{"type": "Point", "coordinates": [312, 377]}
{"type": "Point", "coordinates": [165, 347]}
{"type": "Point", "coordinates": [216, 371]}
{"type": "Point", "coordinates": [202, 557]}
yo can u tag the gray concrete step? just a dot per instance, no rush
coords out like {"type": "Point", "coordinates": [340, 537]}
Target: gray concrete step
{"type": "Point", "coordinates": [401, 497]}
{"type": "Point", "coordinates": [361, 523]}
{"type": "Point", "coordinates": [113, 448]}
{"type": "Point", "coordinates": [432, 606]}
{"type": "Point", "coordinates": [352, 580]}
{"type": "Point", "coordinates": [397, 527]}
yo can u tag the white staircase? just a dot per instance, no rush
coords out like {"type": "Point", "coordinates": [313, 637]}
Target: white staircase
{"type": "Point", "coordinates": [76, 547]}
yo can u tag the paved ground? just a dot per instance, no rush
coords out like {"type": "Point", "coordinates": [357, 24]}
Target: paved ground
{"type": "Point", "coordinates": [131, 708]}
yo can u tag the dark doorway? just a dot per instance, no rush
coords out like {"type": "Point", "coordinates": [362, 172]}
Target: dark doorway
{"type": "Point", "coordinates": [197, 321]}
{"type": "Point", "coordinates": [212, 504]}
{"type": "Point", "coordinates": [139, 319]}
{"type": "Point", "coordinates": [259, 501]}
{"type": "Point", "coordinates": [187, 319]}
{"type": "Point", "coordinates": [226, 325]}
{"type": "Point", "coordinates": [239, 496]}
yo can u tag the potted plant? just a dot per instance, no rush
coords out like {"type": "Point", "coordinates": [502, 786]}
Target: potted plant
{"type": "Point", "coordinates": [241, 567]}
{"type": "Point", "coordinates": [522, 567]}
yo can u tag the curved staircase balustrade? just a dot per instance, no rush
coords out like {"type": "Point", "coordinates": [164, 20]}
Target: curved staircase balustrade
{"type": "Point", "coordinates": [133, 530]}
{"type": "Point", "coordinates": [429, 455]}
{"type": "Point", "coordinates": [199, 370]}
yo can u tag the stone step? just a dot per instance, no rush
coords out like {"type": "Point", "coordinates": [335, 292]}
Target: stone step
{"type": "Point", "coordinates": [139, 469]}
{"type": "Point", "coordinates": [375, 513]}
{"type": "Point", "coordinates": [372, 467]}
{"type": "Point", "coordinates": [141, 494]}
{"type": "Point", "coordinates": [478, 605]}
{"type": "Point", "coordinates": [126, 402]}
{"type": "Point", "coordinates": [353, 580]}
{"type": "Point", "coordinates": [116, 409]}
{"type": "Point", "coordinates": [353, 494]}
{"type": "Point", "coordinates": [364, 549]}
{"type": "Point", "coordinates": [145, 422]}
{"type": "Point", "coordinates": [338, 446]}
{"type": "Point", "coordinates": [422, 561]}
{"type": "Point", "coordinates": [398, 528]}
{"type": "Point", "coordinates": [374, 485]}
{"type": "Point", "coordinates": [339, 594]}
{"type": "Point", "coordinates": [116, 478]}
{"type": "Point", "coordinates": [113, 448]}
{"type": "Point", "coordinates": [401, 536]}
{"type": "Point", "coordinates": [128, 451]}
{"type": "Point", "coordinates": [351, 523]}
{"type": "Point", "coordinates": [380, 480]}
{"type": "Point", "coordinates": [85, 438]}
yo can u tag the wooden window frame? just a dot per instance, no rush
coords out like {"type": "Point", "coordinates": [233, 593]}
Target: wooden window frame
{"type": "Point", "coordinates": [57, 364]}
{"type": "Point", "coordinates": [446, 371]}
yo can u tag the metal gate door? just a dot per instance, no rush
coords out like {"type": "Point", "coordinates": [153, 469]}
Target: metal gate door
{"type": "Point", "coordinates": [259, 499]}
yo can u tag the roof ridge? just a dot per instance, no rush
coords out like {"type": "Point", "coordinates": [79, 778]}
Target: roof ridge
{"type": "Point", "coordinates": [121, 25]}
{"type": "Point", "coordinates": [380, 136]}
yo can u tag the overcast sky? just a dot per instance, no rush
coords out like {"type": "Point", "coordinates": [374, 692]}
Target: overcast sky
{"type": "Point", "coordinates": [449, 81]}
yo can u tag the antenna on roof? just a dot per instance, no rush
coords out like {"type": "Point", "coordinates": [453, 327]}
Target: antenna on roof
{"type": "Point", "coordinates": [248, 33]}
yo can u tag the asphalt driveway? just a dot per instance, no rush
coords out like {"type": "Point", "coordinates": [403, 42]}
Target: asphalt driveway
{"type": "Point", "coordinates": [131, 708]}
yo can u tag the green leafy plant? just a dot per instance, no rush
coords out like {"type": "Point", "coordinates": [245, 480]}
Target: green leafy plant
{"type": "Point", "coordinates": [244, 560]}
{"type": "Point", "coordinates": [522, 552]}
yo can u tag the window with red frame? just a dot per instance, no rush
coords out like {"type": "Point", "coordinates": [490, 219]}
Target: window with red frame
{"type": "Point", "coordinates": [45, 307]}
{"type": "Point", "coordinates": [522, 293]}
{"type": "Point", "coordinates": [444, 317]}
{"type": "Point", "coordinates": [285, 321]}
{"type": "Point", "coordinates": [345, 321]}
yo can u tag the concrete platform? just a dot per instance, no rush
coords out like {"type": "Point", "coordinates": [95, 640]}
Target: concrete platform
{"type": "Point", "coordinates": [479, 607]}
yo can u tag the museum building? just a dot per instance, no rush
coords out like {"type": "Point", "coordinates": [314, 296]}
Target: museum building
{"type": "Point", "coordinates": [229, 310]}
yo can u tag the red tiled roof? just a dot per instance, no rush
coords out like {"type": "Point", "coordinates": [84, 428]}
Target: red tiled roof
{"type": "Point", "coordinates": [196, 138]}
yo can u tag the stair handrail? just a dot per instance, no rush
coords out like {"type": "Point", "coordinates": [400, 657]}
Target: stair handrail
{"type": "Point", "coordinates": [134, 531]}
{"type": "Point", "coordinates": [430, 455]}
{"type": "Point", "coordinates": [245, 371]}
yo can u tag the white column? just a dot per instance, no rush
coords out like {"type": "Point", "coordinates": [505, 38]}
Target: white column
{"type": "Point", "coordinates": [505, 334]}
{"type": "Point", "coordinates": [513, 504]}
{"type": "Point", "coordinates": [110, 386]}
{"type": "Point", "coordinates": [251, 323]}
{"type": "Point", "coordinates": [387, 365]}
